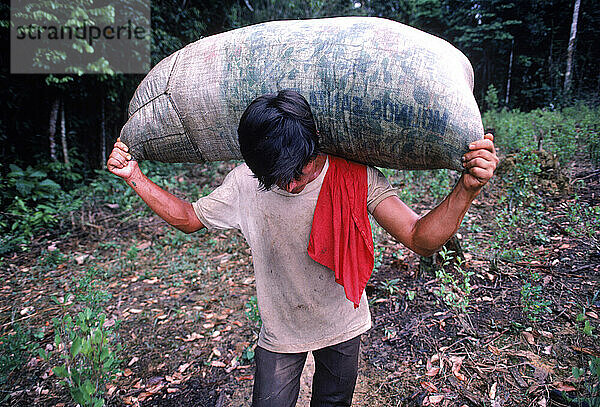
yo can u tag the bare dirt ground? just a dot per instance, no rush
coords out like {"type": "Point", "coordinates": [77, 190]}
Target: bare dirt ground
{"type": "Point", "coordinates": [183, 306]}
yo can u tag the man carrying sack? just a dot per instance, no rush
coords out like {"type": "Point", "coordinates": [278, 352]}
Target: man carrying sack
{"type": "Point", "coordinates": [304, 216]}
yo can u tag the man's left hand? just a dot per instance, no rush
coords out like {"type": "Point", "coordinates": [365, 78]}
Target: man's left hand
{"type": "Point", "coordinates": [480, 163]}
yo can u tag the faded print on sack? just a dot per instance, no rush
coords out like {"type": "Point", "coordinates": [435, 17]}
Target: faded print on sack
{"type": "Point", "coordinates": [356, 90]}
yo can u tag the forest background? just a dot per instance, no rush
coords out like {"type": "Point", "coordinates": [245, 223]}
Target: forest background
{"type": "Point", "coordinates": [525, 54]}
{"type": "Point", "coordinates": [100, 302]}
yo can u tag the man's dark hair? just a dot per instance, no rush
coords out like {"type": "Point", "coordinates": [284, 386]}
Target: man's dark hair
{"type": "Point", "coordinates": [278, 137]}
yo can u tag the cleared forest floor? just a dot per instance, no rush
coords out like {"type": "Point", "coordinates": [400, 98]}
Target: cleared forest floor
{"type": "Point", "coordinates": [183, 307]}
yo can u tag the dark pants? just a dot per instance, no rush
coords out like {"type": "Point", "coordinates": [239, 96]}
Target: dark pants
{"type": "Point", "coordinates": [277, 378]}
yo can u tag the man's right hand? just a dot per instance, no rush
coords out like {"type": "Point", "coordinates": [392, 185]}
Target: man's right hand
{"type": "Point", "coordinates": [120, 162]}
{"type": "Point", "coordinates": [175, 211]}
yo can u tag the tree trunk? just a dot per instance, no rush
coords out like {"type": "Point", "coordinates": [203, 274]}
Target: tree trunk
{"type": "Point", "coordinates": [102, 134]}
{"type": "Point", "coordinates": [510, 62]}
{"type": "Point", "coordinates": [551, 71]}
{"type": "Point", "coordinates": [248, 5]}
{"type": "Point", "coordinates": [571, 48]}
{"type": "Point", "coordinates": [63, 133]}
{"type": "Point", "coordinates": [52, 128]}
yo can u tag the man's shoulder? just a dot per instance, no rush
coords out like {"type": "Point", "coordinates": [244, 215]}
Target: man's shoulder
{"type": "Point", "coordinates": [243, 175]}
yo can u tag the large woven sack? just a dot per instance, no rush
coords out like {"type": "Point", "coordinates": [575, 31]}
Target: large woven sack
{"type": "Point", "coordinates": [382, 93]}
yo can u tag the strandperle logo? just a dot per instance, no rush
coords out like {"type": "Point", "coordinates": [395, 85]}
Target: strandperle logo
{"type": "Point", "coordinates": [80, 36]}
{"type": "Point", "coordinates": [85, 32]}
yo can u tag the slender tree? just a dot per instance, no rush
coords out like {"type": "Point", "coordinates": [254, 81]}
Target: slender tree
{"type": "Point", "coordinates": [510, 63]}
{"type": "Point", "coordinates": [571, 48]}
{"type": "Point", "coordinates": [52, 128]}
{"type": "Point", "coordinates": [63, 133]}
{"type": "Point", "coordinates": [102, 134]}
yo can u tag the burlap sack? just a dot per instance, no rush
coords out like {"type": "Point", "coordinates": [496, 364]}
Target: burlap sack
{"type": "Point", "coordinates": [382, 93]}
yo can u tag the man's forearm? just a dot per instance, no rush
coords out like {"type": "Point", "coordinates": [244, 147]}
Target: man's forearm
{"type": "Point", "coordinates": [173, 210]}
{"type": "Point", "coordinates": [434, 229]}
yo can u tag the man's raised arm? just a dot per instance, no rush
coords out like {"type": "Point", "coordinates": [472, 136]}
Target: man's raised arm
{"type": "Point", "coordinates": [173, 210]}
{"type": "Point", "coordinates": [425, 235]}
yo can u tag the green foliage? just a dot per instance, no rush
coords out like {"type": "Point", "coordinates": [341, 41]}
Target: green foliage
{"type": "Point", "coordinates": [177, 24]}
{"type": "Point", "coordinates": [110, 189]}
{"type": "Point", "coordinates": [439, 186]}
{"type": "Point", "coordinates": [127, 262]}
{"type": "Point", "coordinates": [413, 185]}
{"type": "Point", "coordinates": [590, 378]}
{"type": "Point", "coordinates": [491, 98]}
{"type": "Point", "coordinates": [49, 260]}
{"type": "Point", "coordinates": [560, 132]}
{"type": "Point", "coordinates": [75, 14]}
{"type": "Point", "coordinates": [175, 238]}
{"type": "Point", "coordinates": [30, 201]}
{"type": "Point", "coordinates": [252, 311]}
{"type": "Point", "coordinates": [390, 286]}
{"type": "Point", "coordinates": [56, 80]}
{"type": "Point", "coordinates": [585, 325]}
{"type": "Point", "coordinates": [516, 226]}
{"type": "Point", "coordinates": [85, 341]}
{"type": "Point", "coordinates": [240, 15]}
{"type": "Point", "coordinates": [378, 258]}
{"type": "Point", "coordinates": [33, 200]}
{"type": "Point", "coordinates": [89, 360]}
{"type": "Point", "coordinates": [522, 182]}
{"type": "Point", "coordinates": [248, 353]}
{"type": "Point", "coordinates": [16, 348]}
{"type": "Point", "coordinates": [89, 289]}
{"type": "Point", "coordinates": [587, 127]}
{"type": "Point", "coordinates": [455, 284]}
{"type": "Point", "coordinates": [31, 184]}
{"type": "Point", "coordinates": [532, 298]}
{"type": "Point", "coordinates": [583, 222]}
{"type": "Point", "coordinates": [389, 332]}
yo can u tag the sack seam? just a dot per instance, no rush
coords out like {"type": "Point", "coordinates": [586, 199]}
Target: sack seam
{"type": "Point", "coordinates": [172, 70]}
{"type": "Point", "coordinates": [165, 92]}
{"type": "Point", "coordinates": [185, 132]}
{"type": "Point", "coordinates": [168, 94]}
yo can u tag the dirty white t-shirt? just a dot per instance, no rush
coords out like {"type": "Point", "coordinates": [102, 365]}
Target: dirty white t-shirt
{"type": "Point", "coordinates": [301, 306]}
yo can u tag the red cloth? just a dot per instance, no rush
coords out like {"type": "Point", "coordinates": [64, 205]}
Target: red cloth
{"type": "Point", "coordinates": [341, 238]}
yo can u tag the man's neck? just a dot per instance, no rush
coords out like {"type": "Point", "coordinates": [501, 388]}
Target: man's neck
{"type": "Point", "coordinates": [319, 164]}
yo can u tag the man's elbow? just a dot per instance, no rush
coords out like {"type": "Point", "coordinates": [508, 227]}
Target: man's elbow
{"type": "Point", "coordinates": [191, 226]}
{"type": "Point", "coordinates": [422, 245]}
{"type": "Point", "coordinates": [424, 249]}
{"type": "Point", "coordinates": [186, 221]}
{"type": "Point", "coordinates": [186, 229]}
{"type": "Point", "coordinates": [423, 252]}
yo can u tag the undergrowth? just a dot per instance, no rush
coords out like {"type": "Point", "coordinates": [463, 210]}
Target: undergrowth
{"type": "Point", "coordinates": [561, 132]}
{"type": "Point", "coordinates": [49, 197]}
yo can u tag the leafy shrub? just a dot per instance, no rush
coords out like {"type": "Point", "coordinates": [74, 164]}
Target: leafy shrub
{"type": "Point", "coordinates": [532, 299]}
{"type": "Point", "coordinates": [86, 344]}
{"type": "Point", "coordinates": [28, 201]}
{"type": "Point", "coordinates": [390, 286]}
{"type": "Point", "coordinates": [491, 98]}
{"type": "Point", "coordinates": [560, 132]}
{"type": "Point", "coordinates": [31, 201]}
{"type": "Point", "coordinates": [583, 222]}
{"type": "Point", "coordinates": [36, 199]}
{"type": "Point", "coordinates": [455, 282]}
{"type": "Point", "coordinates": [90, 360]}
{"type": "Point", "coordinates": [521, 182]}
{"type": "Point", "coordinates": [590, 378]}
{"type": "Point", "coordinates": [252, 311]}
{"type": "Point", "coordinates": [49, 260]}
{"type": "Point", "coordinates": [110, 189]}
{"type": "Point", "coordinates": [16, 348]}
